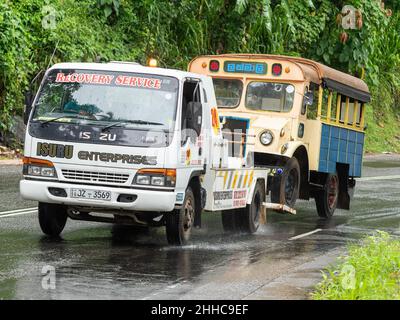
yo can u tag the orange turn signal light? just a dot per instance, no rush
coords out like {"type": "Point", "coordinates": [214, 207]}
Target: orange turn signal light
{"type": "Point", "coordinates": [40, 162]}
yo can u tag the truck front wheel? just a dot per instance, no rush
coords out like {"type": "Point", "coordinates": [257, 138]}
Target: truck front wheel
{"type": "Point", "coordinates": [285, 187]}
{"type": "Point", "coordinates": [52, 218]}
{"type": "Point", "coordinates": [179, 223]}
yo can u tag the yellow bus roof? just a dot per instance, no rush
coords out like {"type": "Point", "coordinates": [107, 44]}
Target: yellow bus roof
{"type": "Point", "coordinates": [313, 71]}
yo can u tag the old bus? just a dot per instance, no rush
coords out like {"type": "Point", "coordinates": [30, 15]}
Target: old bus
{"type": "Point", "coordinates": [296, 114]}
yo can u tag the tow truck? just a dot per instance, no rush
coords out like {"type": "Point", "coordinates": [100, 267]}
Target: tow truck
{"type": "Point", "coordinates": [130, 144]}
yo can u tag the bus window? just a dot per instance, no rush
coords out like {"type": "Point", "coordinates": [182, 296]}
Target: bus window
{"type": "Point", "coordinates": [313, 109]}
{"type": "Point", "coordinates": [228, 92]}
{"type": "Point", "coordinates": [353, 113]}
{"type": "Point", "coordinates": [268, 96]}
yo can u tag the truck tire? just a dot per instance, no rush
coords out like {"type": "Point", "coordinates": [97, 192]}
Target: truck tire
{"type": "Point", "coordinates": [250, 215]}
{"type": "Point", "coordinates": [230, 220]}
{"type": "Point", "coordinates": [327, 199]}
{"type": "Point", "coordinates": [285, 187]}
{"type": "Point", "coordinates": [178, 223]}
{"type": "Point", "coordinates": [52, 218]}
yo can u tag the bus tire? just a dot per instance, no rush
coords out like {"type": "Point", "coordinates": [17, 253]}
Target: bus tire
{"type": "Point", "coordinates": [52, 218]}
{"type": "Point", "coordinates": [230, 220]}
{"type": "Point", "coordinates": [178, 223]}
{"type": "Point", "coordinates": [250, 215]}
{"type": "Point", "coordinates": [285, 187]}
{"type": "Point", "coordinates": [326, 200]}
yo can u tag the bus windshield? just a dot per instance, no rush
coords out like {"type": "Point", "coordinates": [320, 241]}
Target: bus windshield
{"type": "Point", "coordinates": [270, 96]}
{"type": "Point", "coordinates": [108, 99]}
{"type": "Point", "coordinates": [228, 92]}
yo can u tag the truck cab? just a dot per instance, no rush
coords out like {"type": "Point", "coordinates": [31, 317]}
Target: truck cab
{"type": "Point", "coordinates": [125, 143]}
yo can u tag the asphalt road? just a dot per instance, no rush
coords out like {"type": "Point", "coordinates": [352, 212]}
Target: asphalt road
{"type": "Point", "coordinates": [99, 261]}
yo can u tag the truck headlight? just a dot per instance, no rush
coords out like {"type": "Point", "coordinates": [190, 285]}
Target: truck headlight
{"type": "Point", "coordinates": [156, 177]}
{"type": "Point", "coordinates": [39, 168]}
{"type": "Point", "coordinates": [266, 138]}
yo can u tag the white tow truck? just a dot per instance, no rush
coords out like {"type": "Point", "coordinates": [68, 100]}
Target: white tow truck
{"type": "Point", "coordinates": [124, 143]}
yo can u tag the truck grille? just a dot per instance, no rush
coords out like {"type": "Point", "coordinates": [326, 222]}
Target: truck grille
{"type": "Point", "coordinates": [95, 176]}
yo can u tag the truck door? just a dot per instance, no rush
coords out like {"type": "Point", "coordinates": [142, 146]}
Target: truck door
{"type": "Point", "coordinates": [192, 137]}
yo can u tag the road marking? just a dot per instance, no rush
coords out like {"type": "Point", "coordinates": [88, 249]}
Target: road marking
{"type": "Point", "coordinates": [379, 178]}
{"type": "Point", "coordinates": [305, 234]}
{"type": "Point", "coordinates": [18, 210]}
{"type": "Point", "coordinates": [16, 214]}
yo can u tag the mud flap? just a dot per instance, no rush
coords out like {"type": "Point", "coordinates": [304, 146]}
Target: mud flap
{"type": "Point", "coordinates": [199, 209]}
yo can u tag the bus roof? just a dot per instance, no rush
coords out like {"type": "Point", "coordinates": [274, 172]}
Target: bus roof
{"type": "Point", "coordinates": [313, 71]}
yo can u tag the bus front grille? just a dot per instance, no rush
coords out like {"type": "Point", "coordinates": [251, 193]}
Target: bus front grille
{"type": "Point", "coordinates": [92, 176]}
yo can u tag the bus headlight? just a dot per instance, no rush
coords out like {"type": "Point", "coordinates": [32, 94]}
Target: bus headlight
{"type": "Point", "coordinates": [39, 168]}
{"type": "Point", "coordinates": [266, 138]}
{"type": "Point", "coordinates": [156, 177]}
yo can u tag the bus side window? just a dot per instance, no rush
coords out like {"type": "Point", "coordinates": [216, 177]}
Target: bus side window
{"type": "Point", "coordinates": [313, 109]}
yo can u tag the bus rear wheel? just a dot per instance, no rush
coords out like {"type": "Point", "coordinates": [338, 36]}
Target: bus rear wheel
{"type": "Point", "coordinates": [285, 187]}
{"type": "Point", "coordinates": [52, 218]}
{"type": "Point", "coordinates": [327, 199]}
{"type": "Point", "coordinates": [179, 222]}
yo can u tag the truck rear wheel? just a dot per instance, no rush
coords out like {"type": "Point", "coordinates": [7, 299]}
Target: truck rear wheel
{"type": "Point", "coordinates": [179, 223]}
{"type": "Point", "coordinates": [230, 220]}
{"type": "Point", "coordinates": [285, 187]}
{"type": "Point", "coordinates": [327, 199]}
{"type": "Point", "coordinates": [250, 215]}
{"type": "Point", "coordinates": [52, 218]}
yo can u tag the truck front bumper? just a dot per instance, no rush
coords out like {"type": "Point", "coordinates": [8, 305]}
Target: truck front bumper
{"type": "Point", "coordinates": [144, 200]}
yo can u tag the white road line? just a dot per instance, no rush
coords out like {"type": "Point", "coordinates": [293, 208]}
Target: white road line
{"type": "Point", "coordinates": [305, 234]}
{"type": "Point", "coordinates": [18, 210]}
{"type": "Point", "coordinates": [379, 178]}
{"type": "Point", "coordinates": [17, 214]}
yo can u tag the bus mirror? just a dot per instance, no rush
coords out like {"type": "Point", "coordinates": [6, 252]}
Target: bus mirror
{"type": "Point", "coordinates": [309, 98]}
{"type": "Point", "coordinates": [28, 105]}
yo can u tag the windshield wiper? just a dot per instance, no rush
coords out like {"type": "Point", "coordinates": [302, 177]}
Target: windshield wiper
{"type": "Point", "coordinates": [131, 121]}
{"type": "Point", "coordinates": [58, 118]}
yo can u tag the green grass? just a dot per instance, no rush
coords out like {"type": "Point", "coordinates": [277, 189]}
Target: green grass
{"type": "Point", "coordinates": [383, 132]}
{"type": "Point", "coordinates": [370, 271]}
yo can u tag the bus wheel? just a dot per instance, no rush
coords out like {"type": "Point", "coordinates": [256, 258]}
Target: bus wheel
{"type": "Point", "coordinates": [250, 215]}
{"type": "Point", "coordinates": [285, 187]}
{"type": "Point", "coordinates": [52, 218]}
{"type": "Point", "coordinates": [179, 223]}
{"type": "Point", "coordinates": [327, 199]}
{"type": "Point", "coordinates": [230, 220]}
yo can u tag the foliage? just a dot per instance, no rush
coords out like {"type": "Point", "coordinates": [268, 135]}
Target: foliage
{"type": "Point", "coordinates": [175, 31]}
{"type": "Point", "coordinates": [370, 271]}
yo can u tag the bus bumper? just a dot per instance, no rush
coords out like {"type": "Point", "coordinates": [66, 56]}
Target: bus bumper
{"type": "Point", "coordinates": [144, 200]}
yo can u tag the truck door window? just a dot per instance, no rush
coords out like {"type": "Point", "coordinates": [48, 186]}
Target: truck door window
{"type": "Point", "coordinates": [191, 110]}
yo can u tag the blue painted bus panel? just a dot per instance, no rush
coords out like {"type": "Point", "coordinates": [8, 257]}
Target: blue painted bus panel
{"type": "Point", "coordinates": [341, 145]}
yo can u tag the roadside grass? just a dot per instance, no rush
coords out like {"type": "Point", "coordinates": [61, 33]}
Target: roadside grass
{"type": "Point", "coordinates": [370, 271]}
{"type": "Point", "coordinates": [383, 132]}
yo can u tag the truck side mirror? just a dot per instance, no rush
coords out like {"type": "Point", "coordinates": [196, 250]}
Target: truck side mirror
{"type": "Point", "coordinates": [28, 105]}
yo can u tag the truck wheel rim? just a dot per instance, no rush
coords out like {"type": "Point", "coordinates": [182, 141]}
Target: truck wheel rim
{"type": "Point", "coordinates": [188, 215]}
{"type": "Point", "coordinates": [332, 191]}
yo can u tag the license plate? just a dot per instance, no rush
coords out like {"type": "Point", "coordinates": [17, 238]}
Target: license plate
{"type": "Point", "coordinates": [91, 194]}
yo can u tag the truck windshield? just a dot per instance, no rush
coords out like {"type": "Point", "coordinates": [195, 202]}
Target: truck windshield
{"type": "Point", "coordinates": [98, 98]}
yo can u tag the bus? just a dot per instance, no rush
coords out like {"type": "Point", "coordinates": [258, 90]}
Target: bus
{"type": "Point", "coordinates": [298, 115]}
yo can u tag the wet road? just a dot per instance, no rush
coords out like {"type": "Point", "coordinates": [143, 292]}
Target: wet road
{"type": "Point", "coordinates": [282, 260]}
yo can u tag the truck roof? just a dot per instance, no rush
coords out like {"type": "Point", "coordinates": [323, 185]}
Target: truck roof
{"type": "Point", "coordinates": [127, 67]}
